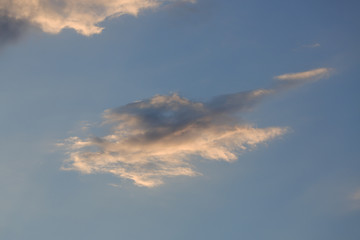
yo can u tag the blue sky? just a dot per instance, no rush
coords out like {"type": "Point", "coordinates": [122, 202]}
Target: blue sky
{"type": "Point", "coordinates": [276, 157]}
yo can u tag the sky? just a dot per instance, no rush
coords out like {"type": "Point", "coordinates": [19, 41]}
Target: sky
{"type": "Point", "coordinates": [179, 119]}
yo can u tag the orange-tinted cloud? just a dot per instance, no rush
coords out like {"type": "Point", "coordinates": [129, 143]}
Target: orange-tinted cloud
{"type": "Point", "coordinates": [83, 16]}
{"type": "Point", "coordinates": [313, 74]}
{"type": "Point", "coordinates": [161, 137]}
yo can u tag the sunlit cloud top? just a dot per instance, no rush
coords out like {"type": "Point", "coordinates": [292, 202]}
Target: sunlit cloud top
{"type": "Point", "coordinates": [83, 16]}
{"type": "Point", "coordinates": [161, 136]}
{"type": "Point", "coordinates": [312, 74]}
{"type": "Point", "coordinates": [152, 139]}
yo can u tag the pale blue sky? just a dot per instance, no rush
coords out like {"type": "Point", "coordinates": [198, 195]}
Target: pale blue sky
{"type": "Point", "coordinates": [304, 184]}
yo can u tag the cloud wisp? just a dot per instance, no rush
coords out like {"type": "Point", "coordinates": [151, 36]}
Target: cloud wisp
{"type": "Point", "coordinates": [313, 74]}
{"type": "Point", "coordinates": [161, 137]}
{"type": "Point", "coordinates": [354, 200]}
{"type": "Point", "coordinates": [84, 16]}
{"type": "Point", "coordinates": [356, 196]}
{"type": "Point", "coordinates": [314, 45]}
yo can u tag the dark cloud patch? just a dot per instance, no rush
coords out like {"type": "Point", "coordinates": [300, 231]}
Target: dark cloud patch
{"type": "Point", "coordinates": [11, 30]}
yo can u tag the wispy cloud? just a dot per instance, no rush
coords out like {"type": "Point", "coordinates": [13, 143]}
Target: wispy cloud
{"type": "Point", "coordinates": [355, 200]}
{"type": "Point", "coordinates": [161, 137]}
{"type": "Point", "coordinates": [356, 196]}
{"type": "Point", "coordinates": [314, 45]}
{"type": "Point", "coordinates": [313, 74]}
{"type": "Point", "coordinates": [83, 16]}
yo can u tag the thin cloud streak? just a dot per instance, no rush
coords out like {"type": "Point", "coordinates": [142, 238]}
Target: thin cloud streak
{"type": "Point", "coordinates": [310, 75]}
{"type": "Point", "coordinates": [160, 137]}
{"type": "Point", "coordinates": [84, 16]}
{"type": "Point", "coordinates": [315, 45]}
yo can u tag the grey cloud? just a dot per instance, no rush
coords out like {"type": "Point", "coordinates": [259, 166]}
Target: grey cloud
{"type": "Point", "coordinates": [314, 45]}
{"type": "Point", "coordinates": [11, 29]}
{"type": "Point", "coordinates": [163, 116]}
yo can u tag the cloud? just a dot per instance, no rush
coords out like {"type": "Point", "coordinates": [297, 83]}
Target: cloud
{"type": "Point", "coordinates": [354, 198]}
{"type": "Point", "coordinates": [159, 137]}
{"type": "Point", "coordinates": [84, 16]}
{"type": "Point", "coordinates": [314, 74]}
{"type": "Point", "coordinates": [150, 140]}
{"type": "Point", "coordinates": [10, 29]}
{"type": "Point", "coordinates": [314, 45]}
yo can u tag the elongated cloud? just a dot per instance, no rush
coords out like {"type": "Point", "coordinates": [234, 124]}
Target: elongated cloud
{"type": "Point", "coordinates": [314, 45]}
{"type": "Point", "coordinates": [161, 137]}
{"type": "Point", "coordinates": [312, 74]}
{"type": "Point", "coordinates": [81, 15]}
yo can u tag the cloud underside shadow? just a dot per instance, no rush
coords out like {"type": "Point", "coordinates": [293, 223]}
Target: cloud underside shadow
{"type": "Point", "coordinates": [164, 136]}
{"type": "Point", "coordinates": [84, 16]}
{"type": "Point", "coordinates": [11, 29]}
